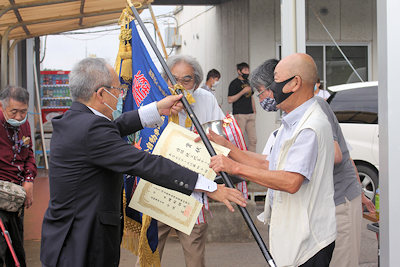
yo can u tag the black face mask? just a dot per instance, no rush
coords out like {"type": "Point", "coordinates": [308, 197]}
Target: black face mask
{"type": "Point", "coordinates": [245, 76]}
{"type": "Point", "coordinates": [277, 88]}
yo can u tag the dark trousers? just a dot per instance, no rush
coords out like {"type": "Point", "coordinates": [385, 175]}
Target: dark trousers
{"type": "Point", "coordinates": [322, 258]}
{"type": "Point", "coordinates": [15, 227]}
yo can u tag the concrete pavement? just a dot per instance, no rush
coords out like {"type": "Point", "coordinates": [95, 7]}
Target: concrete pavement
{"type": "Point", "coordinates": [219, 254]}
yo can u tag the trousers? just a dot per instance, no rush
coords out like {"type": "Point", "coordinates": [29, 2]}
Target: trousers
{"type": "Point", "coordinates": [322, 258]}
{"type": "Point", "coordinates": [348, 238]}
{"type": "Point", "coordinates": [247, 123]}
{"type": "Point", "coordinates": [193, 245]}
{"type": "Point", "coordinates": [14, 224]}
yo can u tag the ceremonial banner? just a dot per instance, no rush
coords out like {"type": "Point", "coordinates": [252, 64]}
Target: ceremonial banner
{"type": "Point", "coordinates": [145, 85]}
{"type": "Point", "coordinates": [170, 207]}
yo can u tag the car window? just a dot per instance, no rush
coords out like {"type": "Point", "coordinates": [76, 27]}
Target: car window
{"type": "Point", "coordinates": [358, 105]}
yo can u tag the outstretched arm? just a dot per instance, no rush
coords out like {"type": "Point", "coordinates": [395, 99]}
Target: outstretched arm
{"type": "Point", "coordinates": [279, 180]}
{"type": "Point", "coordinates": [227, 195]}
{"type": "Point", "coordinates": [244, 157]}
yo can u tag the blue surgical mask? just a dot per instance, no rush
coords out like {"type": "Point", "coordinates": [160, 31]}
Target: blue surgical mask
{"type": "Point", "coordinates": [268, 104]}
{"type": "Point", "coordinates": [115, 113]}
{"type": "Point", "coordinates": [315, 87]}
{"type": "Point", "coordinates": [14, 122]}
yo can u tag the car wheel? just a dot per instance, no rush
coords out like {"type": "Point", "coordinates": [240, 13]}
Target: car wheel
{"type": "Point", "coordinates": [369, 181]}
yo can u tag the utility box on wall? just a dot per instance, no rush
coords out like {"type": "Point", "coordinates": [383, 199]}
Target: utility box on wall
{"type": "Point", "coordinates": [172, 38]}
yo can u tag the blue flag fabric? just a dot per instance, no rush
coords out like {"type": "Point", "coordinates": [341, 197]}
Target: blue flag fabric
{"type": "Point", "coordinates": [147, 86]}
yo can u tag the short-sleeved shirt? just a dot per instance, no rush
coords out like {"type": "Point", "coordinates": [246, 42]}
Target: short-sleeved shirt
{"type": "Point", "coordinates": [302, 155]}
{"type": "Point", "coordinates": [244, 104]}
{"type": "Point", "coordinates": [206, 108]}
{"type": "Point", "coordinates": [344, 175]}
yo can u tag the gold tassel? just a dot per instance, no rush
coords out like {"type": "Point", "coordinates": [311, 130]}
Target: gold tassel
{"type": "Point", "coordinates": [126, 63]}
{"type": "Point", "coordinates": [123, 62]}
{"type": "Point", "coordinates": [190, 99]}
{"type": "Point", "coordinates": [146, 257]}
{"type": "Point", "coordinates": [135, 233]}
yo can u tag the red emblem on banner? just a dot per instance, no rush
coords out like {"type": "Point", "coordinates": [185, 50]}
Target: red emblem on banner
{"type": "Point", "coordinates": [140, 88]}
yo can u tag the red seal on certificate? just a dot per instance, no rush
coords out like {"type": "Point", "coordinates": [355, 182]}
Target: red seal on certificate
{"type": "Point", "coordinates": [187, 211]}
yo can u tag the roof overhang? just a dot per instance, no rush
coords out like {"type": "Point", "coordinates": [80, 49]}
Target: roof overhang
{"type": "Point", "coordinates": [189, 2]}
{"type": "Point", "coordinates": [21, 19]}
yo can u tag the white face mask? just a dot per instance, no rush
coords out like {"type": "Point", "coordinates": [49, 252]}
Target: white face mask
{"type": "Point", "coordinates": [216, 83]}
{"type": "Point", "coordinates": [13, 122]}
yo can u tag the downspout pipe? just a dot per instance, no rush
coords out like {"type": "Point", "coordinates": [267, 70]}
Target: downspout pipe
{"type": "Point", "coordinates": [4, 58]}
{"type": "Point", "coordinates": [11, 55]}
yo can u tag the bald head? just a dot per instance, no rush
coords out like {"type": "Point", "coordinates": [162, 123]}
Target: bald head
{"type": "Point", "coordinates": [299, 64]}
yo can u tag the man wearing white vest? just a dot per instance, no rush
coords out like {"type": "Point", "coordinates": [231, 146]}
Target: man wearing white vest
{"type": "Point", "coordinates": [299, 171]}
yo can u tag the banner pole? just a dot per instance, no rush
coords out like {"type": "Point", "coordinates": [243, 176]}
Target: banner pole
{"type": "Point", "coordinates": [203, 136]}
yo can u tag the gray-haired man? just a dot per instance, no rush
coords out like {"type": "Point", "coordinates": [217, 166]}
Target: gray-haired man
{"type": "Point", "coordinates": [348, 194]}
{"type": "Point", "coordinates": [82, 224]}
{"type": "Point", "coordinates": [188, 73]}
{"type": "Point", "coordinates": [17, 165]}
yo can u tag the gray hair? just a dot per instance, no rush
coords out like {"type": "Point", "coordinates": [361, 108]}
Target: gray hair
{"type": "Point", "coordinates": [87, 76]}
{"type": "Point", "coordinates": [198, 72]}
{"type": "Point", "coordinates": [14, 92]}
{"type": "Point", "coordinates": [263, 74]}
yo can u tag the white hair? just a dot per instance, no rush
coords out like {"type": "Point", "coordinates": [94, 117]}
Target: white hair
{"type": "Point", "coordinates": [198, 72]}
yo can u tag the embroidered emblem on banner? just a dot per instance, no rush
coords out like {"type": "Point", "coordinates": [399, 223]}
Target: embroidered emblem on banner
{"type": "Point", "coordinates": [140, 88]}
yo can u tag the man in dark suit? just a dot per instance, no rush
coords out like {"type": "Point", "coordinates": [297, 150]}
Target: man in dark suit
{"type": "Point", "coordinates": [82, 225]}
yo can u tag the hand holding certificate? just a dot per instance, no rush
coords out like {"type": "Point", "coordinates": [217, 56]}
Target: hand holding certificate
{"type": "Point", "coordinates": [175, 209]}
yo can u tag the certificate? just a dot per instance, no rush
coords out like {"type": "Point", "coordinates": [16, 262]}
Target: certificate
{"type": "Point", "coordinates": [168, 206]}
{"type": "Point", "coordinates": [177, 144]}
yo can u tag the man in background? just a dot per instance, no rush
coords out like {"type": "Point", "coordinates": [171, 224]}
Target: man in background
{"type": "Point", "coordinates": [17, 165]}
{"type": "Point", "coordinates": [212, 81]}
{"type": "Point", "coordinates": [240, 96]}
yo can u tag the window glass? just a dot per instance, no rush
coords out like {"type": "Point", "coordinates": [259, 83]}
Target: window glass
{"type": "Point", "coordinates": [338, 71]}
{"type": "Point", "coordinates": [356, 105]}
{"type": "Point", "coordinates": [317, 54]}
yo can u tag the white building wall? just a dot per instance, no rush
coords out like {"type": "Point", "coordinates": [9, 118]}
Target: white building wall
{"type": "Point", "coordinates": [249, 30]}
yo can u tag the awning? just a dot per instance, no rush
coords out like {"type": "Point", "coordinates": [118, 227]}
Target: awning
{"type": "Point", "coordinates": [22, 19]}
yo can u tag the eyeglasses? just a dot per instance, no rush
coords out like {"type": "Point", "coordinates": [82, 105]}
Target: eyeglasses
{"type": "Point", "coordinates": [260, 93]}
{"type": "Point", "coordinates": [266, 89]}
{"type": "Point", "coordinates": [185, 80]}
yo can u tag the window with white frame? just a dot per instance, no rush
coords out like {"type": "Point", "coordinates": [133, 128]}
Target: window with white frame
{"type": "Point", "coordinates": [333, 69]}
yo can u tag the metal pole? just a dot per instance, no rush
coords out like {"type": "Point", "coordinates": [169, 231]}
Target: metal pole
{"type": "Point", "coordinates": [158, 31]}
{"type": "Point", "coordinates": [204, 138]}
{"type": "Point", "coordinates": [39, 107]}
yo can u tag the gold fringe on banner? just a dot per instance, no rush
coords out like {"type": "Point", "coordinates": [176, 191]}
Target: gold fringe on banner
{"type": "Point", "coordinates": [135, 240]}
{"type": "Point", "coordinates": [146, 257]}
{"type": "Point", "coordinates": [135, 233]}
{"type": "Point", "coordinates": [130, 239]}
